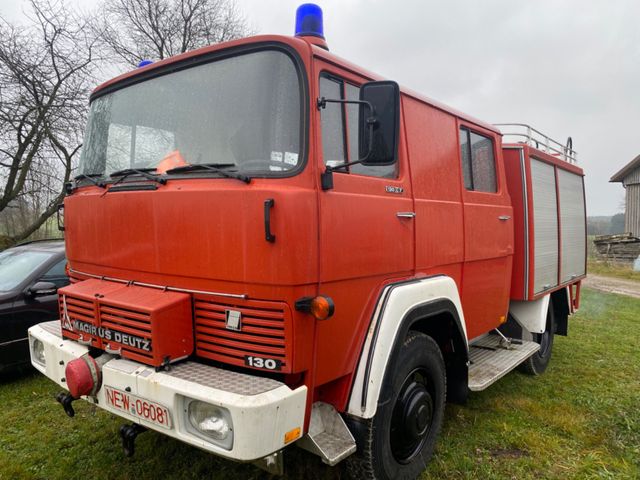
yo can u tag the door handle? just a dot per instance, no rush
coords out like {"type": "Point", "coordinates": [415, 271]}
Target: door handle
{"type": "Point", "coordinates": [268, 205]}
{"type": "Point", "coordinates": [406, 214]}
{"type": "Point", "coordinates": [504, 218]}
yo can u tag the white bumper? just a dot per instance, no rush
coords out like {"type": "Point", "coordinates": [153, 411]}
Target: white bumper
{"type": "Point", "coordinates": [262, 410]}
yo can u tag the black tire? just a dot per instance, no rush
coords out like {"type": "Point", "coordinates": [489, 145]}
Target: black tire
{"type": "Point", "coordinates": [538, 362]}
{"type": "Point", "coordinates": [398, 442]}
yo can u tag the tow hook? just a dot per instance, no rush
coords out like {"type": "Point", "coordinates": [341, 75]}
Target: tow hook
{"type": "Point", "coordinates": [128, 433]}
{"type": "Point", "coordinates": [65, 400]}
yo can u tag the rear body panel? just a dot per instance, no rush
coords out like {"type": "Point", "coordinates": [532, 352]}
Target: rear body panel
{"type": "Point", "coordinates": [550, 221]}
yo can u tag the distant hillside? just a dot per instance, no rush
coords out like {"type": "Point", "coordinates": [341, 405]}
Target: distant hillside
{"type": "Point", "coordinates": [610, 225]}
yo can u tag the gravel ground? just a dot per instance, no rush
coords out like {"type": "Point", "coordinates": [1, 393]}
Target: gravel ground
{"type": "Point", "coordinates": [620, 286]}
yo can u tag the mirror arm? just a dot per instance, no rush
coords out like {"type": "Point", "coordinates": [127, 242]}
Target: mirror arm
{"type": "Point", "coordinates": [321, 103]}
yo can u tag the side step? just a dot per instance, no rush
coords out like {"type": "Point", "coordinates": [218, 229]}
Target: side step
{"type": "Point", "coordinates": [328, 437]}
{"type": "Point", "coordinates": [491, 358]}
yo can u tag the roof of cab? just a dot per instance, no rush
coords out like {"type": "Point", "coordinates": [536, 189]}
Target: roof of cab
{"type": "Point", "coordinates": [301, 43]}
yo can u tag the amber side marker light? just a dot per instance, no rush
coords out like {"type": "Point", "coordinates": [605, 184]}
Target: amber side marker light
{"type": "Point", "coordinates": [321, 307]}
{"type": "Point", "coordinates": [292, 435]}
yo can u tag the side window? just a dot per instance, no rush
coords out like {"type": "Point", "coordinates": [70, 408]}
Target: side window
{"type": "Point", "coordinates": [332, 123]}
{"type": "Point", "coordinates": [340, 129]}
{"type": "Point", "coordinates": [57, 274]}
{"type": "Point", "coordinates": [478, 162]}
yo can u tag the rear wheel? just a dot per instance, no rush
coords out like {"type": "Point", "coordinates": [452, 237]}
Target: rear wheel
{"type": "Point", "coordinates": [399, 440]}
{"type": "Point", "coordinates": [538, 362]}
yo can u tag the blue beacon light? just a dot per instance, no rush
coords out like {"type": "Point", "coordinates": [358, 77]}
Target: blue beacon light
{"type": "Point", "coordinates": [309, 21]}
{"type": "Point", "coordinates": [144, 63]}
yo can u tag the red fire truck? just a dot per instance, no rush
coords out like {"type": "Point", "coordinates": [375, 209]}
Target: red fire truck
{"type": "Point", "coordinates": [269, 245]}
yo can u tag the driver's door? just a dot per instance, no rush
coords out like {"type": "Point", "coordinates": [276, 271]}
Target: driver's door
{"type": "Point", "coordinates": [366, 222]}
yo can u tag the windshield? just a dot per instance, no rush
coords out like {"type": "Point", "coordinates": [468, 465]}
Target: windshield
{"type": "Point", "coordinates": [242, 110]}
{"type": "Point", "coordinates": [17, 265]}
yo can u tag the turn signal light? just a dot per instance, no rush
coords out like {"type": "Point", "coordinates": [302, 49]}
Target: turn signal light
{"type": "Point", "coordinates": [292, 435]}
{"type": "Point", "coordinates": [321, 307]}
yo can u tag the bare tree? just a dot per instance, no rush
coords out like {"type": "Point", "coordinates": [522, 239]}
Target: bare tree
{"type": "Point", "coordinates": [45, 77]}
{"type": "Point", "coordinates": [133, 30]}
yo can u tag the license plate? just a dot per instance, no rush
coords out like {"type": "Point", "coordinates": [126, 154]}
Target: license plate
{"type": "Point", "coordinates": [138, 407]}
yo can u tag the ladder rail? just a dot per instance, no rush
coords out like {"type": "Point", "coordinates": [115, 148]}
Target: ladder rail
{"type": "Point", "coordinates": [525, 133]}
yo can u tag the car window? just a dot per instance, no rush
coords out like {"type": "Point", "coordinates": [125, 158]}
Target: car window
{"type": "Point", "coordinates": [332, 123]}
{"type": "Point", "coordinates": [478, 163]}
{"type": "Point", "coordinates": [17, 264]}
{"type": "Point", "coordinates": [57, 274]}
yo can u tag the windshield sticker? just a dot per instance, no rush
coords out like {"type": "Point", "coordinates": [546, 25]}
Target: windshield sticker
{"type": "Point", "coordinates": [290, 158]}
{"type": "Point", "coordinates": [276, 156]}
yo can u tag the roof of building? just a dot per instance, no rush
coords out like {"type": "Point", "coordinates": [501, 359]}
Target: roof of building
{"type": "Point", "coordinates": [626, 170]}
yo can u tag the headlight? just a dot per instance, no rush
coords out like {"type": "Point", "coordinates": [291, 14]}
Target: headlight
{"type": "Point", "coordinates": [212, 422]}
{"type": "Point", "coordinates": [38, 352]}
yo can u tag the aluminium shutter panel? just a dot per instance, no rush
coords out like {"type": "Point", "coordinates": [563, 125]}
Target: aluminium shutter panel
{"type": "Point", "coordinates": [545, 221]}
{"type": "Point", "coordinates": [572, 225]}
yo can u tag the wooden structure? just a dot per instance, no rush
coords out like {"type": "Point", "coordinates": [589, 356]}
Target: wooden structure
{"type": "Point", "coordinates": [629, 176]}
{"type": "Point", "coordinates": [623, 248]}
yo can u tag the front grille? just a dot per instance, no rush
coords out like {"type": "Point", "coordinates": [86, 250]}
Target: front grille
{"type": "Point", "coordinates": [148, 325]}
{"type": "Point", "coordinates": [78, 309]}
{"type": "Point", "coordinates": [265, 328]}
{"type": "Point", "coordinates": [129, 321]}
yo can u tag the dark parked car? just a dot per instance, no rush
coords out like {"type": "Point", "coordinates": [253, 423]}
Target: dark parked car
{"type": "Point", "coordinates": [30, 275]}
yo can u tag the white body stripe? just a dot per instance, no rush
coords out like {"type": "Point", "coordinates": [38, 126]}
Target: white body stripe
{"type": "Point", "coordinates": [400, 301]}
{"type": "Point", "coordinates": [532, 315]}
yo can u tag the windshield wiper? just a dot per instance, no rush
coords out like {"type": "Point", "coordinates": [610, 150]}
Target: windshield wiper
{"type": "Point", "coordinates": [92, 178]}
{"type": "Point", "coordinates": [214, 167]}
{"type": "Point", "coordinates": [145, 172]}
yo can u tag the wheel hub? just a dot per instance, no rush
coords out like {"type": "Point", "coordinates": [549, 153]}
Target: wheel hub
{"type": "Point", "coordinates": [417, 412]}
{"type": "Point", "coordinates": [412, 417]}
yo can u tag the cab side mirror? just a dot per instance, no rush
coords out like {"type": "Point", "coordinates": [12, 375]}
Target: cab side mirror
{"type": "Point", "coordinates": [379, 129]}
{"type": "Point", "coordinates": [40, 289]}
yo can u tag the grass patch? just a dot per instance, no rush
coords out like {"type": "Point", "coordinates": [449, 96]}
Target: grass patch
{"type": "Point", "coordinates": [579, 420]}
{"type": "Point", "coordinates": [608, 269]}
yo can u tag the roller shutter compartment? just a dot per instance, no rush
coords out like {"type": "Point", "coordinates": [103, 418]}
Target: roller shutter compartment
{"type": "Point", "coordinates": [572, 225]}
{"type": "Point", "coordinates": [545, 216]}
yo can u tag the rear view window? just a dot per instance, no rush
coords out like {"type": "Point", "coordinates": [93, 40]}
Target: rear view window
{"type": "Point", "coordinates": [478, 163]}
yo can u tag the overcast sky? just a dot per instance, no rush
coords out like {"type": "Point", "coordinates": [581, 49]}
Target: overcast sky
{"type": "Point", "coordinates": [569, 68]}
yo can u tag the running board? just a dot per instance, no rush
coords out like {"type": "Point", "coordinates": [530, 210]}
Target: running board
{"type": "Point", "coordinates": [491, 358]}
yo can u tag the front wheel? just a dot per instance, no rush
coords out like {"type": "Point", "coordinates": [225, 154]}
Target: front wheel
{"type": "Point", "coordinates": [398, 442]}
{"type": "Point", "coordinates": [538, 362]}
